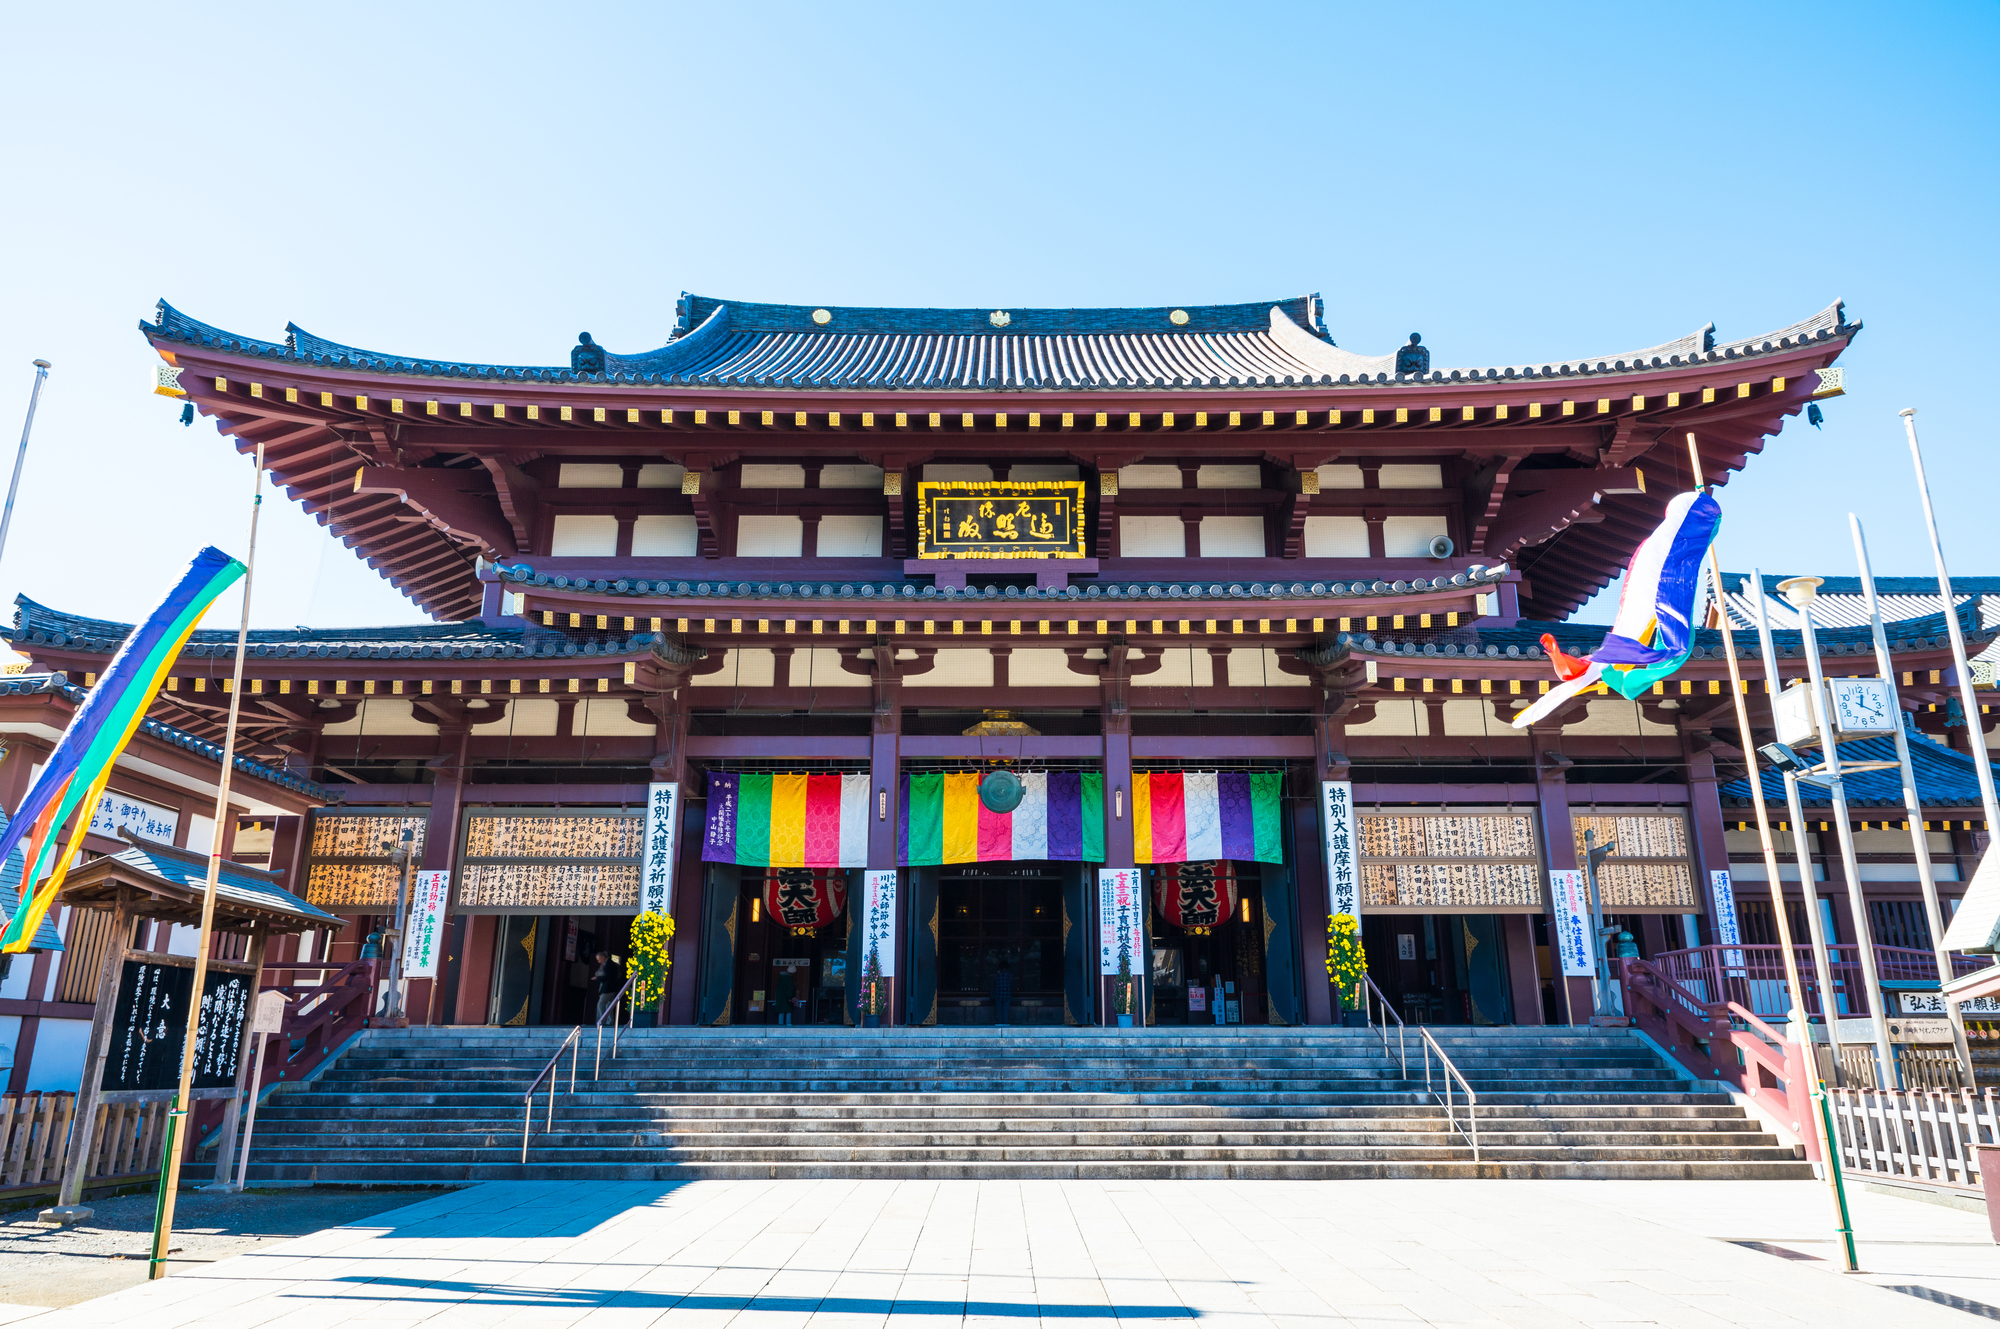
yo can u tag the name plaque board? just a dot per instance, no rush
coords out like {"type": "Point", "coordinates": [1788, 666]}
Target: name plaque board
{"type": "Point", "coordinates": [1476, 863]}
{"type": "Point", "coordinates": [1649, 871]}
{"type": "Point", "coordinates": [1000, 519]}
{"type": "Point", "coordinates": [347, 860]}
{"type": "Point", "coordinates": [534, 860]}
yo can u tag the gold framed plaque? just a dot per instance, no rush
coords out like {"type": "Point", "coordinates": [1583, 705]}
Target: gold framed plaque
{"type": "Point", "coordinates": [1000, 519]}
{"type": "Point", "coordinates": [347, 858]}
{"type": "Point", "coordinates": [550, 861]}
{"type": "Point", "coordinates": [1449, 863]}
{"type": "Point", "coordinates": [1651, 871]}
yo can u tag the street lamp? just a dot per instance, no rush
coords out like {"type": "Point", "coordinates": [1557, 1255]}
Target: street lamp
{"type": "Point", "coordinates": [1600, 983]}
{"type": "Point", "coordinates": [392, 1011]}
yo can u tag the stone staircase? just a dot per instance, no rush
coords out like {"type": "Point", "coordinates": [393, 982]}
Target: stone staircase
{"type": "Point", "coordinates": [443, 1106]}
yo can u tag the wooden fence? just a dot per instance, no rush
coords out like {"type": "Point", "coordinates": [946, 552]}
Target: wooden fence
{"type": "Point", "coordinates": [35, 1134]}
{"type": "Point", "coordinates": [1926, 1137]}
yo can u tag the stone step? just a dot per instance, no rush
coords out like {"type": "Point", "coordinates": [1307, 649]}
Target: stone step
{"type": "Point", "coordinates": [328, 1145]}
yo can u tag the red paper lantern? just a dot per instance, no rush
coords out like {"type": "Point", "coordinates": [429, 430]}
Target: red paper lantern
{"type": "Point", "coordinates": [803, 899]}
{"type": "Point", "coordinates": [1196, 896]}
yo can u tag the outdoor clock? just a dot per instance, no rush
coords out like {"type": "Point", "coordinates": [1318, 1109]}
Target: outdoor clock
{"type": "Point", "coordinates": [1792, 713]}
{"type": "Point", "coordinates": [1863, 707]}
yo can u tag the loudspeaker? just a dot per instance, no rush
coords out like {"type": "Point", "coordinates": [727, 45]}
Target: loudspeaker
{"type": "Point", "coordinates": [1441, 546]}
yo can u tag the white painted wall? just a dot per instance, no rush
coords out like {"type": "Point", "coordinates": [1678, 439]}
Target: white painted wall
{"type": "Point", "coordinates": [664, 535]}
{"type": "Point", "coordinates": [584, 536]}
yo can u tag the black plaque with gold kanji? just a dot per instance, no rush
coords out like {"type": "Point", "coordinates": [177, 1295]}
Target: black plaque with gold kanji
{"type": "Point", "coordinates": [1000, 519]}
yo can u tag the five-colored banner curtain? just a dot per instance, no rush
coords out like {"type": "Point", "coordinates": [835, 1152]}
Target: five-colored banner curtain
{"type": "Point", "coordinates": [1179, 816]}
{"type": "Point", "coordinates": [787, 821]}
{"type": "Point", "coordinates": [1060, 817]}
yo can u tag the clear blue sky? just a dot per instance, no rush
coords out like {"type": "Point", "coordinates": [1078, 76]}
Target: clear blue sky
{"type": "Point", "coordinates": [482, 181]}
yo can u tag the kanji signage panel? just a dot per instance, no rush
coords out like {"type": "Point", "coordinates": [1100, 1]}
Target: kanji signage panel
{"type": "Point", "coordinates": [1000, 519]}
{"type": "Point", "coordinates": [430, 892]}
{"type": "Point", "coordinates": [1121, 921]}
{"type": "Point", "coordinates": [663, 819]}
{"type": "Point", "coordinates": [347, 859]}
{"type": "Point", "coordinates": [1571, 933]}
{"type": "Point", "coordinates": [1650, 870]}
{"type": "Point", "coordinates": [877, 919]}
{"type": "Point", "coordinates": [586, 861]}
{"type": "Point", "coordinates": [1477, 862]}
{"type": "Point", "coordinates": [149, 1027]}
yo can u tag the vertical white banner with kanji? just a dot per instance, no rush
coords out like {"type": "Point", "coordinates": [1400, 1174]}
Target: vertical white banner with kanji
{"type": "Point", "coordinates": [1571, 922]}
{"type": "Point", "coordinates": [656, 873]}
{"type": "Point", "coordinates": [1336, 816]}
{"type": "Point", "coordinates": [1121, 921]}
{"type": "Point", "coordinates": [430, 892]}
{"type": "Point", "coordinates": [878, 920]}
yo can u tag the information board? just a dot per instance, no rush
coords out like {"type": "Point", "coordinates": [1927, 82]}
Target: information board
{"type": "Point", "coordinates": [1473, 862]}
{"type": "Point", "coordinates": [149, 1027]}
{"type": "Point", "coordinates": [347, 859]}
{"type": "Point", "coordinates": [519, 860]}
{"type": "Point", "coordinates": [1121, 921]}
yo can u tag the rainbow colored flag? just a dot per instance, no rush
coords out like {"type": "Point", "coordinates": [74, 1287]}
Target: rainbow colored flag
{"type": "Point", "coordinates": [1060, 817]}
{"type": "Point", "coordinates": [787, 821]}
{"type": "Point", "coordinates": [1192, 816]}
{"type": "Point", "coordinates": [73, 779]}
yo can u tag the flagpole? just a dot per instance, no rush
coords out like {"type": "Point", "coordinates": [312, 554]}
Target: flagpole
{"type": "Point", "coordinates": [170, 1166]}
{"type": "Point", "coordinates": [1981, 764]}
{"type": "Point", "coordinates": [1795, 1020]}
{"type": "Point", "coordinates": [21, 457]}
{"type": "Point", "coordinates": [1912, 802]}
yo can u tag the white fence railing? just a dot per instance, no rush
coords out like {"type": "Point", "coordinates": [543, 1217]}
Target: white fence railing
{"type": "Point", "coordinates": [1924, 1136]}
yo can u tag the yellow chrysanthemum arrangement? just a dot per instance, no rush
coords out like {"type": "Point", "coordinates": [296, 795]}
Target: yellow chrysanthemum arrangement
{"type": "Point", "coordinates": [1346, 962]}
{"type": "Point", "coordinates": [652, 936]}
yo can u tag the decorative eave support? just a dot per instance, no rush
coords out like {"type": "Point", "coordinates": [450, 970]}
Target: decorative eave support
{"type": "Point", "coordinates": [1305, 487]}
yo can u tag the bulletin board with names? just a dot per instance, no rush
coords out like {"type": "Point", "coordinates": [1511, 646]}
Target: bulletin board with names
{"type": "Point", "coordinates": [1651, 870]}
{"type": "Point", "coordinates": [347, 858]}
{"type": "Point", "coordinates": [1413, 862]}
{"type": "Point", "coordinates": [550, 860]}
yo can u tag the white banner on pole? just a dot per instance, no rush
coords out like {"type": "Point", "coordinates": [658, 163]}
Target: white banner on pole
{"type": "Point", "coordinates": [430, 891]}
{"type": "Point", "coordinates": [877, 920]}
{"type": "Point", "coordinates": [1723, 895]}
{"type": "Point", "coordinates": [656, 874]}
{"type": "Point", "coordinates": [1121, 920]}
{"type": "Point", "coordinates": [1336, 816]}
{"type": "Point", "coordinates": [1572, 922]}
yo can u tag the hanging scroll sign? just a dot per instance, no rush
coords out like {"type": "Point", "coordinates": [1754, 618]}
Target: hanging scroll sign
{"type": "Point", "coordinates": [656, 873]}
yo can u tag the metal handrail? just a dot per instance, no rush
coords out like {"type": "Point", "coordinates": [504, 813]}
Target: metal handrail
{"type": "Point", "coordinates": [1448, 1072]}
{"type": "Point", "coordinates": [617, 1001]}
{"type": "Point", "coordinates": [572, 1043]}
{"type": "Point", "coordinates": [1368, 1004]}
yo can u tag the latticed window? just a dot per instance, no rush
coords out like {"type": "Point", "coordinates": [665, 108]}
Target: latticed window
{"type": "Point", "coordinates": [1900, 923]}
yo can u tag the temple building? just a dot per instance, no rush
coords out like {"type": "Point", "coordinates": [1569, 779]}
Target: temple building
{"type": "Point", "coordinates": [804, 575]}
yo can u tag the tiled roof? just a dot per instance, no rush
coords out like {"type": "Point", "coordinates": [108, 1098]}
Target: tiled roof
{"type": "Point", "coordinates": [1945, 778]}
{"type": "Point", "coordinates": [10, 896]}
{"type": "Point", "coordinates": [38, 625]}
{"type": "Point", "coordinates": [1267, 344]}
{"type": "Point", "coordinates": [244, 885]}
{"type": "Point", "coordinates": [1523, 639]}
{"type": "Point", "coordinates": [525, 575]}
{"type": "Point", "coordinates": [1839, 602]}
{"type": "Point", "coordinates": [22, 685]}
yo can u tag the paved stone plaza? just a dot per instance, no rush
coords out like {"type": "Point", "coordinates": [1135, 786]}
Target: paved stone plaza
{"type": "Point", "coordinates": [845, 1253]}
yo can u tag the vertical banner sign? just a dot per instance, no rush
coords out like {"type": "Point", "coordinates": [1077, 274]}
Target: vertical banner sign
{"type": "Point", "coordinates": [656, 876]}
{"type": "Point", "coordinates": [1336, 815]}
{"type": "Point", "coordinates": [1727, 933]}
{"type": "Point", "coordinates": [878, 919]}
{"type": "Point", "coordinates": [1572, 922]}
{"type": "Point", "coordinates": [430, 891]}
{"type": "Point", "coordinates": [1121, 920]}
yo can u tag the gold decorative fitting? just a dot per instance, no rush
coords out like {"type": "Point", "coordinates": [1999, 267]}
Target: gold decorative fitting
{"type": "Point", "coordinates": [534, 412]}
{"type": "Point", "coordinates": [1309, 482]}
{"type": "Point", "coordinates": [360, 403]}
{"type": "Point", "coordinates": [999, 318]}
{"type": "Point", "coordinates": [1107, 484]}
{"type": "Point", "coordinates": [257, 389]}
{"type": "Point", "coordinates": [822, 316]}
{"type": "Point", "coordinates": [568, 414]}
{"type": "Point", "coordinates": [167, 381]}
{"type": "Point", "coordinates": [736, 417]}
{"type": "Point", "coordinates": [1832, 383]}
{"type": "Point", "coordinates": [892, 482]}
{"type": "Point", "coordinates": [690, 482]}
{"type": "Point", "coordinates": [430, 408]}
{"type": "Point", "coordinates": [395, 405]}
{"type": "Point", "coordinates": [1178, 318]}
{"type": "Point", "coordinates": [597, 414]}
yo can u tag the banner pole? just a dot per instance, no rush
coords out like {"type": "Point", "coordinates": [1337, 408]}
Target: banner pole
{"type": "Point", "coordinates": [1795, 1020]}
{"type": "Point", "coordinates": [170, 1164]}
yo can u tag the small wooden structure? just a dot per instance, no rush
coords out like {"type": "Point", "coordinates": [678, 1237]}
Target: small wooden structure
{"type": "Point", "coordinates": [160, 882]}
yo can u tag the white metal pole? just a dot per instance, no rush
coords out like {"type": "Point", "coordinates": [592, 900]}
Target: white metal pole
{"type": "Point", "coordinates": [1981, 764]}
{"type": "Point", "coordinates": [1829, 1009]}
{"type": "Point", "coordinates": [250, 1117]}
{"type": "Point", "coordinates": [164, 1227]}
{"type": "Point", "coordinates": [1912, 804]}
{"type": "Point", "coordinates": [1843, 834]}
{"type": "Point", "coordinates": [21, 457]}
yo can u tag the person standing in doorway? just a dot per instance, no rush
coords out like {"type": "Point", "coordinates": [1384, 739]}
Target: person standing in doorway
{"type": "Point", "coordinates": [609, 976]}
{"type": "Point", "coordinates": [786, 994]}
{"type": "Point", "coordinates": [1003, 993]}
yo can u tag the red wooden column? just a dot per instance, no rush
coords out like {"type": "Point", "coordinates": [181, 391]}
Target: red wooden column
{"type": "Point", "coordinates": [1558, 848]}
{"type": "Point", "coordinates": [1310, 872]}
{"type": "Point", "coordinates": [1116, 712]}
{"type": "Point", "coordinates": [1711, 850]}
{"type": "Point", "coordinates": [441, 852]}
{"type": "Point", "coordinates": [884, 805]}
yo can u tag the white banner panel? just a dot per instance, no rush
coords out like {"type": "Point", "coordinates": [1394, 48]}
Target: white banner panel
{"type": "Point", "coordinates": [1121, 920]}
{"type": "Point", "coordinates": [430, 890]}
{"type": "Point", "coordinates": [656, 873]}
{"type": "Point", "coordinates": [1572, 922]}
{"type": "Point", "coordinates": [146, 820]}
{"type": "Point", "coordinates": [1336, 816]}
{"type": "Point", "coordinates": [877, 919]}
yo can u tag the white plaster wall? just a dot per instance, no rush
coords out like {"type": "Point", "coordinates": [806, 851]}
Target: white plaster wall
{"type": "Point", "coordinates": [1181, 667]}
{"type": "Point", "coordinates": [742, 667]}
{"type": "Point", "coordinates": [590, 475]}
{"type": "Point", "coordinates": [957, 668]}
{"type": "Point", "coordinates": [661, 475]}
{"type": "Point", "coordinates": [1410, 537]}
{"type": "Point", "coordinates": [1036, 470]}
{"type": "Point", "coordinates": [1149, 477]}
{"type": "Point", "coordinates": [664, 535]}
{"type": "Point", "coordinates": [1231, 537]}
{"type": "Point", "coordinates": [1254, 667]}
{"type": "Point", "coordinates": [957, 471]}
{"type": "Point", "coordinates": [850, 475]}
{"type": "Point", "coordinates": [818, 667]}
{"type": "Point", "coordinates": [1613, 715]}
{"type": "Point", "coordinates": [1151, 537]}
{"type": "Point", "coordinates": [1396, 717]}
{"type": "Point", "coordinates": [1408, 475]}
{"type": "Point", "coordinates": [607, 717]}
{"type": "Point", "coordinates": [850, 536]}
{"type": "Point", "coordinates": [522, 717]}
{"type": "Point", "coordinates": [584, 536]}
{"type": "Point", "coordinates": [382, 715]}
{"type": "Point", "coordinates": [1469, 717]}
{"type": "Point", "coordinates": [1037, 668]}
{"type": "Point", "coordinates": [769, 535]}
{"type": "Point", "coordinates": [1336, 537]}
{"type": "Point", "coordinates": [1231, 476]}
{"type": "Point", "coordinates": [773, 475]}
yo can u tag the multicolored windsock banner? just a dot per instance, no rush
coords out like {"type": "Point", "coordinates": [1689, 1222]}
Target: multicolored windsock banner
{"type": "Point", "coordinates": [1654, 631]}
{"type": "Point", "coordinates": [73, 779]}
{"type": "Point", "coordinates": [1178, 816]}
{"type": "Point", "coordinates": [787, 821]}
{"type": "Point", "coordinates": [1060, 817]}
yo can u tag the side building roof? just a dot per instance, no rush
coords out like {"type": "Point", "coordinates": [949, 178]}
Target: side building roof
{"type": "Point", "coordinates": [1946, 778]}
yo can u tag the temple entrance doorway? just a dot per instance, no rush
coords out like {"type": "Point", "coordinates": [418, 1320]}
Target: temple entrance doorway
{"type": "Point", "coordinates": [1208, 966]}
{"type": "Point", "coordinates": [796, 969]}
{"type": "Point", "coordinates": [542, 966]}
{"type": "Point", "coordinates": [1440, 968]}
{"type": "Point", "coordinates": [1000, 916]}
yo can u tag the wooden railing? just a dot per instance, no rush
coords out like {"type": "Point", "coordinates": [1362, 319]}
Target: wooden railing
{"type": "Point", "coordinates": [1705, 1037]}
{"type": "Point", "coordinates": [1754, 976]}
{"type": "Point", "coordinates": [1924, 1137]}
{"type": "Point", "coordinates": [35, 1134]}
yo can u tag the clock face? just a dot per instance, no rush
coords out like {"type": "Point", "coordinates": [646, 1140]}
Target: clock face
{"type": "Point", "coordinates": [1864, 706]}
